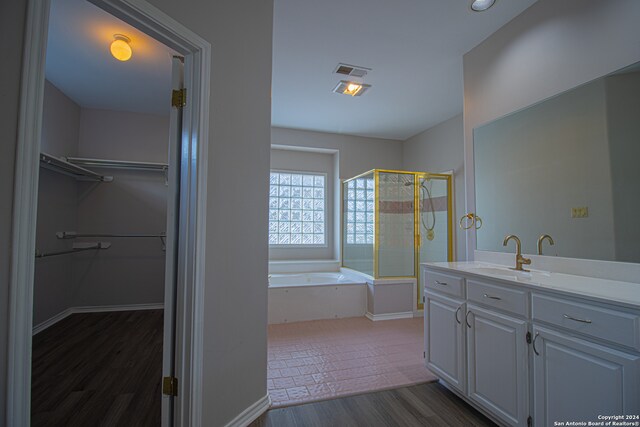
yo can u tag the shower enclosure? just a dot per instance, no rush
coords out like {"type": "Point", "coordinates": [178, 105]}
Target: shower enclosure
{"type": "Point", "coordinates": [394, 220]}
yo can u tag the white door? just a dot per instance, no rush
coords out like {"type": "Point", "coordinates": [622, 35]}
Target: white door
{"type": "Point", "coordinates": [173, 200]}
{"type": "Point", "coordinates": [498, 374]}
{"type": "Point", "coordinates": [578, 380]}
{"type": "Point", "coordinates": [444, 338]}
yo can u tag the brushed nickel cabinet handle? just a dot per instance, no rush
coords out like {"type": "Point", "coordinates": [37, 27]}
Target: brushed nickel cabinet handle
{"type": "Point", "coordinates": [441, 283]}
{"type": "Point", "coordinates": [492, 297]}
{"type": "Point", "coordinates": [566, 316]}
{"type": "Point", "coordinates": [457, 311]}
{"type": "Point", "coordinates": [534, 344]}
{"type": "Point", "coordinates": [466, 319]}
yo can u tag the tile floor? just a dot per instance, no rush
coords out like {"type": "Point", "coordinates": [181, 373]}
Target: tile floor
{"type": "Point", "coordinates": [323, 359]}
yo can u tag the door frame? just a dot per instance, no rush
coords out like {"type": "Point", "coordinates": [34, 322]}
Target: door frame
{"type": "Point", "coordinates": [191, 245]}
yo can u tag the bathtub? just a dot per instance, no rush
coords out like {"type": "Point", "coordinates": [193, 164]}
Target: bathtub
{"type": "Point", "coordinates": [314, 296]}
{"type": "Point", "coordinates": [309, 279]}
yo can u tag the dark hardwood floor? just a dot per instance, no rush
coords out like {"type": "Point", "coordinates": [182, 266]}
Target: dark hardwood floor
{"type": "Point", "coordinates": [104, 369]}
{"type": "Point", "coordinates": [421, 405]}
{"type": "Point", "coordinates": [98, 369]}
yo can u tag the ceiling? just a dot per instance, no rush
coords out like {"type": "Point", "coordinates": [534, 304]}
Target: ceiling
{"type": "Point", "coordinates": [414, 48]}
{"type": "Point", "coordinates": [80, 65]}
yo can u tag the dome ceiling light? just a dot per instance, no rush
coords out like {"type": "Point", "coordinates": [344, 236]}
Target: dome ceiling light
{"type": "Point", "coordinates": [481, 5]}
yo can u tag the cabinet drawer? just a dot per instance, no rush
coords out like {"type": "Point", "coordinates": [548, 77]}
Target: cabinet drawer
{"type": "Point", "coordinates": [512, 300]}
{"type": "Point", "coordinates": [614, 326]}
{"type": "Point", "coordinates": [445, 283]}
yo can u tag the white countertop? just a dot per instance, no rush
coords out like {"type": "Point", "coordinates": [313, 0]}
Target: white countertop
{"type": "Point", "coordinates": [602, 290]}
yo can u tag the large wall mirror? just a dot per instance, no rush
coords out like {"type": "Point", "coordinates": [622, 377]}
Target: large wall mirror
{"type": "Point", "coordinates": [569, 167]}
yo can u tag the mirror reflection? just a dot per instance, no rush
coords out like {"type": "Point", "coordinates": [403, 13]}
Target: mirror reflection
{"type": "Point", "coordinates": [567, 167]}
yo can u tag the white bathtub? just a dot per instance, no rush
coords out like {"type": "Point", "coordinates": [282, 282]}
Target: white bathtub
{"type": "Point", "coordinates": [314, 296]}
{"type": "Point", "coordinates": [309, 279]}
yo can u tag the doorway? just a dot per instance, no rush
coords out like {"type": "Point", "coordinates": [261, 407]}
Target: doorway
{"type": "Point", "coordinates": [186, 171]}
{"type": "Point", "coordinates": [104, 275]}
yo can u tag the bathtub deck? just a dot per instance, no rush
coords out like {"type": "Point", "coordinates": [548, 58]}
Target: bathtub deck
{"type": "Point", "coordinates": [324, 359]}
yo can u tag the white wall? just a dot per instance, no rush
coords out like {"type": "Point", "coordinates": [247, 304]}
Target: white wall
{"type": "Point", "coordinates": [235, 296]}
{"type": "Point", "coordinates": [440, 149]}
{"type": "Point", "coordinates": [308, 161]}
{"type": "Point", "coordinates": [550, 48]}
{"type": "Point", "coordinates": [57, 207]}
{"type": "Point", "coordinates": [131, 271]}
{"type": "Point", "coordinates": [357, 154]}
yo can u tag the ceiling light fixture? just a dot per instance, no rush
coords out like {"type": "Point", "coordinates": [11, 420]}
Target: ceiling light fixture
{"type": "Point", "coordinates": [481, 5]}
{"type": "Point", "coordinates": [351, 88]}
{"type": "Point", "coordinates": [120, 48]}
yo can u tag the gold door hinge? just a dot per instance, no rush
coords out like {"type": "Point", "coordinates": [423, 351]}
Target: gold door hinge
{"type": "Point", "coordinates": [179, 98]}
{"type": "Point", "coordinates": [170, 386]}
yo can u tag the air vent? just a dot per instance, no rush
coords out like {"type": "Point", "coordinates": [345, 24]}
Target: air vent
{"type": "Point", "coordinates": [351, 70]}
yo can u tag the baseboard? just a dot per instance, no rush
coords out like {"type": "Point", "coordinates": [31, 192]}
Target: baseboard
{"type": "Point", "coordinates": [124, 307]}
{"type": "Point", "coordinates": [92, 309]}
{"type": "Point", "coordinates": [250, 414]}
{"type": "Point", "coordinates": [389, 316]}
{"type": "Point", "coordinates": [52, 320]}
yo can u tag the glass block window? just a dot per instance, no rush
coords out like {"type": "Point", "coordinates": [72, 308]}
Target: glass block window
{"type": "Point", "coordinates": [297, 209]}
{"type": "Point", "coordinates": [360, 198]}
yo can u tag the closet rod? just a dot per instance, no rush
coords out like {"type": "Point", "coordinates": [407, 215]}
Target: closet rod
{"type": "Point", "coordinates": [118, 164]}
{"type": "Point", "coordinates": [97, 246]}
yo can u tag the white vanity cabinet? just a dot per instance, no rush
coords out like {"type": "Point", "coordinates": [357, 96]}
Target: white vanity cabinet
{"type": "Point", "coordinates": [575, 379]}
{"type": "Point", "coordinates": [526, 356]}
{"type": "Point", "coordinates": [444, 335]}
{"type": "Point", "coordinates": [497, 360]}
{"type": "Point", "coordinates": [583, 356]}
{"type": "Point", "coordinates": [444, 311]}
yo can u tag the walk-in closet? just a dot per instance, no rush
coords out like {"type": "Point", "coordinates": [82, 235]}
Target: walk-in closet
{"type": "Point", "coordinates": [101, 240]}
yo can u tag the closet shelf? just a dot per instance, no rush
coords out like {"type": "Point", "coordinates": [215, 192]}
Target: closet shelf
{"type": "Point", "coordinates": [119, 164]}
{"type": "Point", "coordinates": [64, 167]}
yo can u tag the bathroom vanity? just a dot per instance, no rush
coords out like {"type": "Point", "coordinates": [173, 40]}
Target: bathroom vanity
{"type": "Point", "coordinates": [533, 348]}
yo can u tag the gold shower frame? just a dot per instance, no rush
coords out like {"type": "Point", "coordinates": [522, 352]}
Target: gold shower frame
{"type": "Point", "coordinates": [416, 221]}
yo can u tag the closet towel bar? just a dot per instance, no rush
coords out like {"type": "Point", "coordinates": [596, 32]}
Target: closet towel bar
{"type": "Point", "coordinates": [78, 248]}
{"type": "Point", "coordinates": [74, 235]}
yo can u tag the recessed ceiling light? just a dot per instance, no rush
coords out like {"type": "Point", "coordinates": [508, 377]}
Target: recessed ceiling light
{"type": "Point", "coordinates": [120, 48]}
{"type": "Point", "coordinates": [481, 5]}
{"type": "Point", "coordinates": [351, 88]}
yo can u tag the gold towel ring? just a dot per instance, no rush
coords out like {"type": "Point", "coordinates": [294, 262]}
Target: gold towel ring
{"type": "Point", "coordinates": [471, 220]}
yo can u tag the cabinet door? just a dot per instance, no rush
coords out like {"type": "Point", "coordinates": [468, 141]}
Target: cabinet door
{"type": "Point", "coordinates": [578, 380]}
{"type": "Point", "coordinates": [444, 338]}
{"type": "Point", "coordinates": [498, 378]}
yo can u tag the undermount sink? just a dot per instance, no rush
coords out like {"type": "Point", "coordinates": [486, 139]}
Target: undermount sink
{"type": "Point", "coordinates": [507, 273]}
{"type": "Point", "coordinates": [502, 271]}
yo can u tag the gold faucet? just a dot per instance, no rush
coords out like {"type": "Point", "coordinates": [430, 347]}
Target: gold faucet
{"type": "Point", "coordinates": [520, 260]}
{"type": "Point", "coordinates": [541, 239]}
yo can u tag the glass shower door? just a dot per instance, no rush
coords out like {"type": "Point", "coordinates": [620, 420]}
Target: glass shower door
{"type": "Point", "coordinates": [395, 224]}
{"type": "Point", "coordinates": [435, 225]}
